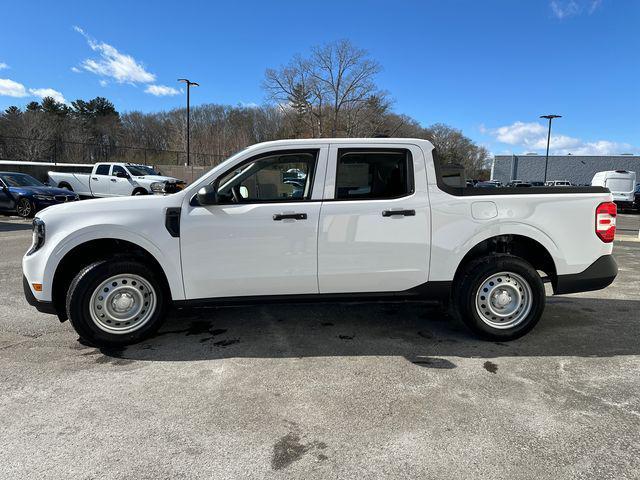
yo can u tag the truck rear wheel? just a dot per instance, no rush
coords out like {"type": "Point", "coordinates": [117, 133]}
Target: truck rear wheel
{"type": "Point", "coordinates": [499, 297]}
{"type": "Point", "coordinates": [114, 303]}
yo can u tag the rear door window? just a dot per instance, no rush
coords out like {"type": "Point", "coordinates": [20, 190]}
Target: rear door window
{"type": "Point", "coordinates": [374, 174]}
{"type": "Point", "coordinates": [102, 169]}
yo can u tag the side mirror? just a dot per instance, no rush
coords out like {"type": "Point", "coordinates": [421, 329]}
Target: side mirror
{"type": "Point", "coordinates": [122, 175]}
{"type": "Point", "coordinates": [207, 195]}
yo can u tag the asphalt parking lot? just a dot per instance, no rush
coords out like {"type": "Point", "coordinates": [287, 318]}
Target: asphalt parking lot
{"type": "Point", "coordinates": [325, 391]}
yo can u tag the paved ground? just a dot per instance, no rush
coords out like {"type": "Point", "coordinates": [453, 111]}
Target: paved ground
{"type": "Point", "coordinates": [325, 391]}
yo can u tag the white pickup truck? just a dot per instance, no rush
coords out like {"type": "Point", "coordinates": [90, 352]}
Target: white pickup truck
{"type": "Point", "coordinates": [114, 179]}
{"type": "Point", "coordinates": [367, 219]}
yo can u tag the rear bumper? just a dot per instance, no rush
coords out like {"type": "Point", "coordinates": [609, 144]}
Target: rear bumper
{"type": "Point", "coordinates": [44, 307]}
{"type": "Point", "coordinates": [598, 275]}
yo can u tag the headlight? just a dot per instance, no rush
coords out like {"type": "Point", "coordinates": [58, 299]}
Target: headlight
{"type": "Point", "coordinates": [44, 197]}
{"type": "Point", "coordinates": [38, 236]}
{"type": "Point", "coordinates": [158, 187]}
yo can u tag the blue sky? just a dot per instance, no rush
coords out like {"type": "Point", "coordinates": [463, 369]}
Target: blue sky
{"type": "Point", "coordinates": [487, 67]}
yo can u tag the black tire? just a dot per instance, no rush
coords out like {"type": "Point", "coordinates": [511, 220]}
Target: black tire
{"type": "Point", "coordinates": [139, 191]}
{"type": "Point", "coordinates": [475, 274]}
{"type": "Point", "coordinates": [82, 288]}
{"type": "Point", "coordinates": [65, 185]}
{"type": "Point", "coordinates": [25, 208]}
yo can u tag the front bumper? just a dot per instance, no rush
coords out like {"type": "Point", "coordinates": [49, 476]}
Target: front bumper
{"type": "Point", "coordinates": [41, 306]}
{"type": "Point", "coordinates": [598, 275]}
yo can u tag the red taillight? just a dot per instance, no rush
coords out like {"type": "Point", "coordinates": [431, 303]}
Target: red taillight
{"type": "Point", "coordinates": [606, 221]}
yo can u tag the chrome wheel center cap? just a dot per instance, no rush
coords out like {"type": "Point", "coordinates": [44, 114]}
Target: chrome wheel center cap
{"type": "Point", "coordinates": [502, 299]}
{"type": "Point", "coordinates": [122, 302]}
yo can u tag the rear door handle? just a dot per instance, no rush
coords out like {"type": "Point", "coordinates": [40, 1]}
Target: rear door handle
{"type": "Point", "coordinates": [293, 216]}
{"type": "Point", "coordinates": [113, 179]}
{"type": "Point", "coordinates": [404, 213]}
{"type": "Point", "coordinates": [94, 178]}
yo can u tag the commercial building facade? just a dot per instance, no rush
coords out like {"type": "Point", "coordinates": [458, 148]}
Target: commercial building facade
{"type": "Point", "coordinates": [577, 169]}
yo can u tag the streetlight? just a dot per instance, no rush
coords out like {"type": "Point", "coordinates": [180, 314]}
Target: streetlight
{"type": "Point", "coordinates": [546, 160]}
{"type": "Point", "coordinates": [189, 84]}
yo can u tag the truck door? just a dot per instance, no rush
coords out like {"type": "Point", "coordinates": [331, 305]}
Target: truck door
{"type": "Point", "coordinates": [375, 222]}
{"type": "Point", "coordinates": [99, 180]}
{"type": "Point", "coordinates": [120, 182]}
{"type": "Point", "coordinates": [262, 236]}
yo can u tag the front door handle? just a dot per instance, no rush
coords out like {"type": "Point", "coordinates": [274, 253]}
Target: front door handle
{"type": "Point", "coordinates": [113, 179]}
{"type": "Point", "coordinates": [404, 213]}
{"type": "Point", "coordinates": [293, 216]}
{"type": "Point", "coordinates": [94, 178]}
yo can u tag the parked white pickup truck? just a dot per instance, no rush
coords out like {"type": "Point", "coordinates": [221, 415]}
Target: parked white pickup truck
{"type": "Point", "coordinates": [113, 180]}
{"type": "Point", "coordinates": [370, 219]}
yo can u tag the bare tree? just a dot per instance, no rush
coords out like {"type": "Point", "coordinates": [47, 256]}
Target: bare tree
{"type": "Point", "coordinates": [332, 87]}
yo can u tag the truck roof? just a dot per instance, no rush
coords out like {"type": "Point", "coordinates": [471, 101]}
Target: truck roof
{"type": "Point", "coordinates": [323, 141]}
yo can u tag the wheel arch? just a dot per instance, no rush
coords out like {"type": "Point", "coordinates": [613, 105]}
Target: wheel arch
{"type": "Point", "coordinates": [522, 246]}
{"type": "Point", "coordinates": [87, 252]}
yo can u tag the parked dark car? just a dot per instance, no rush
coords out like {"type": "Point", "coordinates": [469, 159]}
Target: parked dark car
{"type": "Point", "coordinates": [636, 202]}
{"type": "Point", "coordinates": [24, 195]}
{"type": "Point", "coordinates": [487, 185]}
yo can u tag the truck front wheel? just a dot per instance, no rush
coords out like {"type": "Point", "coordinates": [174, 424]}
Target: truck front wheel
{"type": "Point", "coordinates": [112, 303]}
{"type": "Point", "coordinates": [499, 297]}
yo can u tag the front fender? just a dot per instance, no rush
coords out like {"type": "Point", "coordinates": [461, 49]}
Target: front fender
{"type": "Point", "coordinates": [170, 264]}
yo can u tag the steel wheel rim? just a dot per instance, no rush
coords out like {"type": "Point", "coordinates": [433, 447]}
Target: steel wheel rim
{"type": "Point", "coordinates": [504, 300]}
{"type": "Point", "coordinates": [122, 304]}
{"type": "Point", "coordinates": [24, 207]}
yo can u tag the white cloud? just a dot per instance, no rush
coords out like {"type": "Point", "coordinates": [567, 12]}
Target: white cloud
{"type": "Point", "coordinates": [10, 88]}
{"type": "Point", "coordinates": [111, 63]}
{"type": "Point", "coordinates": [569, 8]}
{"type": "Point", "coordinates": [103, 82]}
{"type": "Point", "coordinates": [161, 90]}
{"type": "Point", "coordinates": [532, 137]}
{"type": "Point", "coordinates": [48, 92]}
{"type": "Point", "coordinates": [249, 104]}
{"type": "Point", "coordinates": [3, 66]}
{"type": "Point", "coordinates": [518, 133]}
{"type": "Point", "coordinates": [76, 70]}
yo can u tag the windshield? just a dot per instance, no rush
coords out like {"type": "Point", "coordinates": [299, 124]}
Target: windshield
{"type": "Point", "coordinates": [20, 180]}
{"type": "Point", "coordinates": [141, 170]}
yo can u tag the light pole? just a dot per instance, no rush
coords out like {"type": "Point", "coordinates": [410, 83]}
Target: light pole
{"type": "Point", "coordinates": [546, 159]}
{"type": "Point", "coordinates": [189, 84]}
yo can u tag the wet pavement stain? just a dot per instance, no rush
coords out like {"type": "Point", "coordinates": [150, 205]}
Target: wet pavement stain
{"type": "Point", "coordinates": [290, 449]}
{"type": "Point", "coordinates": [199, 327]}
{"type": "Point", "coordinates": [214, 333]}
{"type": "Point", "coordinates": [425, 334]}
{"type": "Point", "coordinates": [327, 324]}
{"type": "Point", "coordinates": [227, 342]}
{"type": "Point", "coordinates": [434, 362]}
{"type": "Point", "coordinates": [490, 367]}
{"type": "Point", "coordinates": [346, 337]}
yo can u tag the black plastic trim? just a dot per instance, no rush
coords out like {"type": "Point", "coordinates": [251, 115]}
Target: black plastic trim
{"type": "Point", "coordinates": [436, 291]}
{"type": "Point", "coordinates": [172, 221]}
{"type": "Point", "coordinates": [598, 275]}
{"type": "Point", "coordinates": [44, 307]}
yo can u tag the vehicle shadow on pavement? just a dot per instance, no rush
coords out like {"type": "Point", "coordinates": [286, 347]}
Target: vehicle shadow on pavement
{"type": "Point", "coordinates": [14, 226]}
{"type": "Point", "coordinates": [571, 326]}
